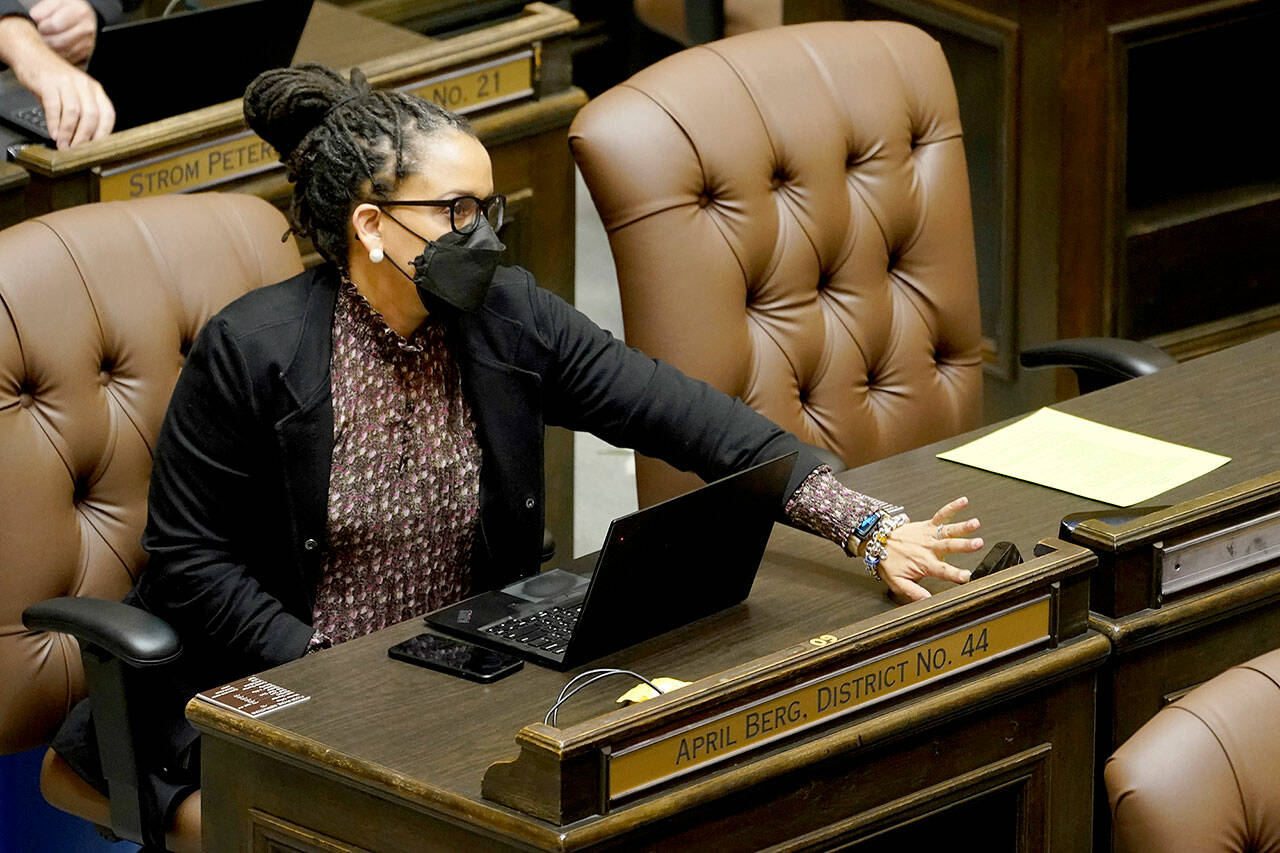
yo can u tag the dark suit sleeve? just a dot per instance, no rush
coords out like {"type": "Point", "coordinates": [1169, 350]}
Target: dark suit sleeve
{"type": "Point", "coordinates": [12, 7]}
{"type": "Point", "coordinates": [599, 384]}
{"type": "Point", "coordinates": [109, 11]}
{"type": "Point", "coordinates": [200, 485]}
{"type": "Point", "coordinates": [112, 11]}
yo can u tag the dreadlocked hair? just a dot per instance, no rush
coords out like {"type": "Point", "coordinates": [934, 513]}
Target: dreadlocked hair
{"type": "Point", "coordinates": [342, 143]}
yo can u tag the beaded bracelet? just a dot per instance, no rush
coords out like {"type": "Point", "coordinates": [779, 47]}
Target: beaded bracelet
{"type": "Point", "coordinates": [875, 549]}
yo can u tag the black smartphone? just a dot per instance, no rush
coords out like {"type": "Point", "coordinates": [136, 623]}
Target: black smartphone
{"type": "Point", "coordinates": [456, 657]}
{"type": "Point", "coordinates": [1001, 556]}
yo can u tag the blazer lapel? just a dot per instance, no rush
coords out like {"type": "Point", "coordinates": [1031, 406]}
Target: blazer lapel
{"type": "Point", "coordinates": [504, 401]}
{"type": "Point", "coordinates": [305, 431]}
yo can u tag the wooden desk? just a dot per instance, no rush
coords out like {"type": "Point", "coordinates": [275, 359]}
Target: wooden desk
{"type": "Point", "coordinates": [13, 182]}
{"type": "Point", "coordinates": [431, 16]}
{"type": "Point", "coordinates": [1182, 593]}
{"type": "Point", "coordinates": [389, 757]}
{"type": "Point", "coordinates": [1224, 403]}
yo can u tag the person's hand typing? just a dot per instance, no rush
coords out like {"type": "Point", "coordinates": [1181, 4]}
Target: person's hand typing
{"type": "Point", "coordinates": [70, 27]}
{"type": "Point", "coordinates": [916, 550]}
{"type": "Point", "coordinates": [76, 108]}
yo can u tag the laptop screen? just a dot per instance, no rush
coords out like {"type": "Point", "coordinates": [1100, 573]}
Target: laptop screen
{"type": "Point", "coordinates": [680, 560]}
{"type": "Point", "coordinates": [159, 67]}
{"type": "Point", "coordinates": [661, 567]}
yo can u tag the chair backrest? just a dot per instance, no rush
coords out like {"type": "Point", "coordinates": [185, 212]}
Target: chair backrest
{"type": "Point", "coordinates": [789, 215]}
{"type": "Point", "coordinates": [98, 306]}
{"type": "Point", "coordinates": [1204, 773]}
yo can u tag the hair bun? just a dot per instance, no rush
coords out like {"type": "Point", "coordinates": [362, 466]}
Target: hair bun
{"type": "Point", "coordinates": [283, 105]}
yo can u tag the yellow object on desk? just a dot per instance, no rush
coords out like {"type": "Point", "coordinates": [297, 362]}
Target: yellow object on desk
{"type": "Point", "coordinates": [1085, 458]}
{"type": "Point", "coordinates": [641, 692]}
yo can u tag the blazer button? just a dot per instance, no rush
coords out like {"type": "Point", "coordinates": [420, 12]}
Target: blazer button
{"type": "Point", "coordinates": [529, 503]}
{"type": "Point", "coordinates": [311, 545]}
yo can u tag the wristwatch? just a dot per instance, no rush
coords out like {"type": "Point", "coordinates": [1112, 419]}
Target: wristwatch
{"type": "Point", "coordinates": [861, 531]}
{"type": "Point", "coordinates": [876, 552]}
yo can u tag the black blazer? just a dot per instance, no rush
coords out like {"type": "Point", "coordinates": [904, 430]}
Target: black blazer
{"type": "Point", "coordinates": [240, 481]}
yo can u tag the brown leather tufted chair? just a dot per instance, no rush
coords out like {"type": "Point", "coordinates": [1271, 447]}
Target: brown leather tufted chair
{"type": "Point", "coordinates": [789, 214]}
{"type": "Point", "coordinates": [98, 305]}
{"type": "Point", "coordinates": [1204, 773]}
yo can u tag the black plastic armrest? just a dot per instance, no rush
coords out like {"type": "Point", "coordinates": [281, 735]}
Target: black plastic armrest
{"type": "Point", "coordinates": [829, 458]}
{"type": "Point", "coordinates": [118, 645]}
{"type": "Point", "coordinates": [1099, 362]}
{"type": "Point", "coordinates": [704, 21]}
{"type": "Point", "coordinates": [548, 544]}
{"type": "Point", "coordinates": [133, 635]}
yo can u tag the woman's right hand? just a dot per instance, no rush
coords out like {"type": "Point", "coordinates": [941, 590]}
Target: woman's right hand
{"type": "Point", "coordinates": [917, 550]}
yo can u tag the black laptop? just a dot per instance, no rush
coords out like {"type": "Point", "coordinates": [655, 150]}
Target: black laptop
{"type": "Point", "coordinates": [159, 67]}
{"type": "Point", "coordinates": [660, 568]}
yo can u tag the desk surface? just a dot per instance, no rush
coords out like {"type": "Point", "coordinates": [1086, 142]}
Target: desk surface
{"type": "Point", "coordinates": [327, 38]}
{"type": "Point", "coordinates": [425, 729]}
{"type": "Point", "coordinates": [1224, 403]}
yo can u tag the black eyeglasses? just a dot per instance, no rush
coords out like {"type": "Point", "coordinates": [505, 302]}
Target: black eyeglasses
{"type": "Point", "coordinates": [464, 211]}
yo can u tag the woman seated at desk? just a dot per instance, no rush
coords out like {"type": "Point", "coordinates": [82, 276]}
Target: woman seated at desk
{"type": "Point", "coordinates": [362, 443]}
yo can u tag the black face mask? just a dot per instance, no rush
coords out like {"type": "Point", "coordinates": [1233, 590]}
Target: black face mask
{"type": "Point", "coordinates": [453, 273]}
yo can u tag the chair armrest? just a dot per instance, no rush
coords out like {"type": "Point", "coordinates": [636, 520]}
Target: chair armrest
{"type": "Point", "coordinates": [1099, 362]}
{"type": "Point", "coordinates": [703, 20]}
{"type": "Point", "coordinates": [118, 646]}
{"type": "Point", "coordinates": [133, 635]}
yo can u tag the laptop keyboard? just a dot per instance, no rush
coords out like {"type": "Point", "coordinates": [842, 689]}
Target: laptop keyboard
{"type": "Point", "coordinates": [548, 630]}
{"type": "Point", "coordinates": [31, 116]}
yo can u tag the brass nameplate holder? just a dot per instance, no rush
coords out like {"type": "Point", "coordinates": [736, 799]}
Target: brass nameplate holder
{"type": "Point", "coordinates": [188, 170]}
{"type": "Point", "coordinates": [500, 81]}
{"type": "Point", "coordinates": [733, 723]}
{"type": "Point", "coordinates": [855, 688]}
{"type": "Point", "coordinates": [243, 154]}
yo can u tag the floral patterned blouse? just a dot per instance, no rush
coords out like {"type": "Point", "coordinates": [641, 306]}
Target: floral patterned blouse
{"type": "Point", "coordinates": [404, 484]}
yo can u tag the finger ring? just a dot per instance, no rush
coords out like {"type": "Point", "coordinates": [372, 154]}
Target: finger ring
{"type": "Point", "coordinates": [937, 534]}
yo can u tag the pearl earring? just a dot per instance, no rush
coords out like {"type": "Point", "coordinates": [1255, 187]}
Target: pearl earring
{"type": "Point", "coordinates": [375, 255]}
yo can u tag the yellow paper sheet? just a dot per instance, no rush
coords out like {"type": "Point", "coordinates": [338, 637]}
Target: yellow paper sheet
{"type": "Point", "coordinates": [1085, 458]}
